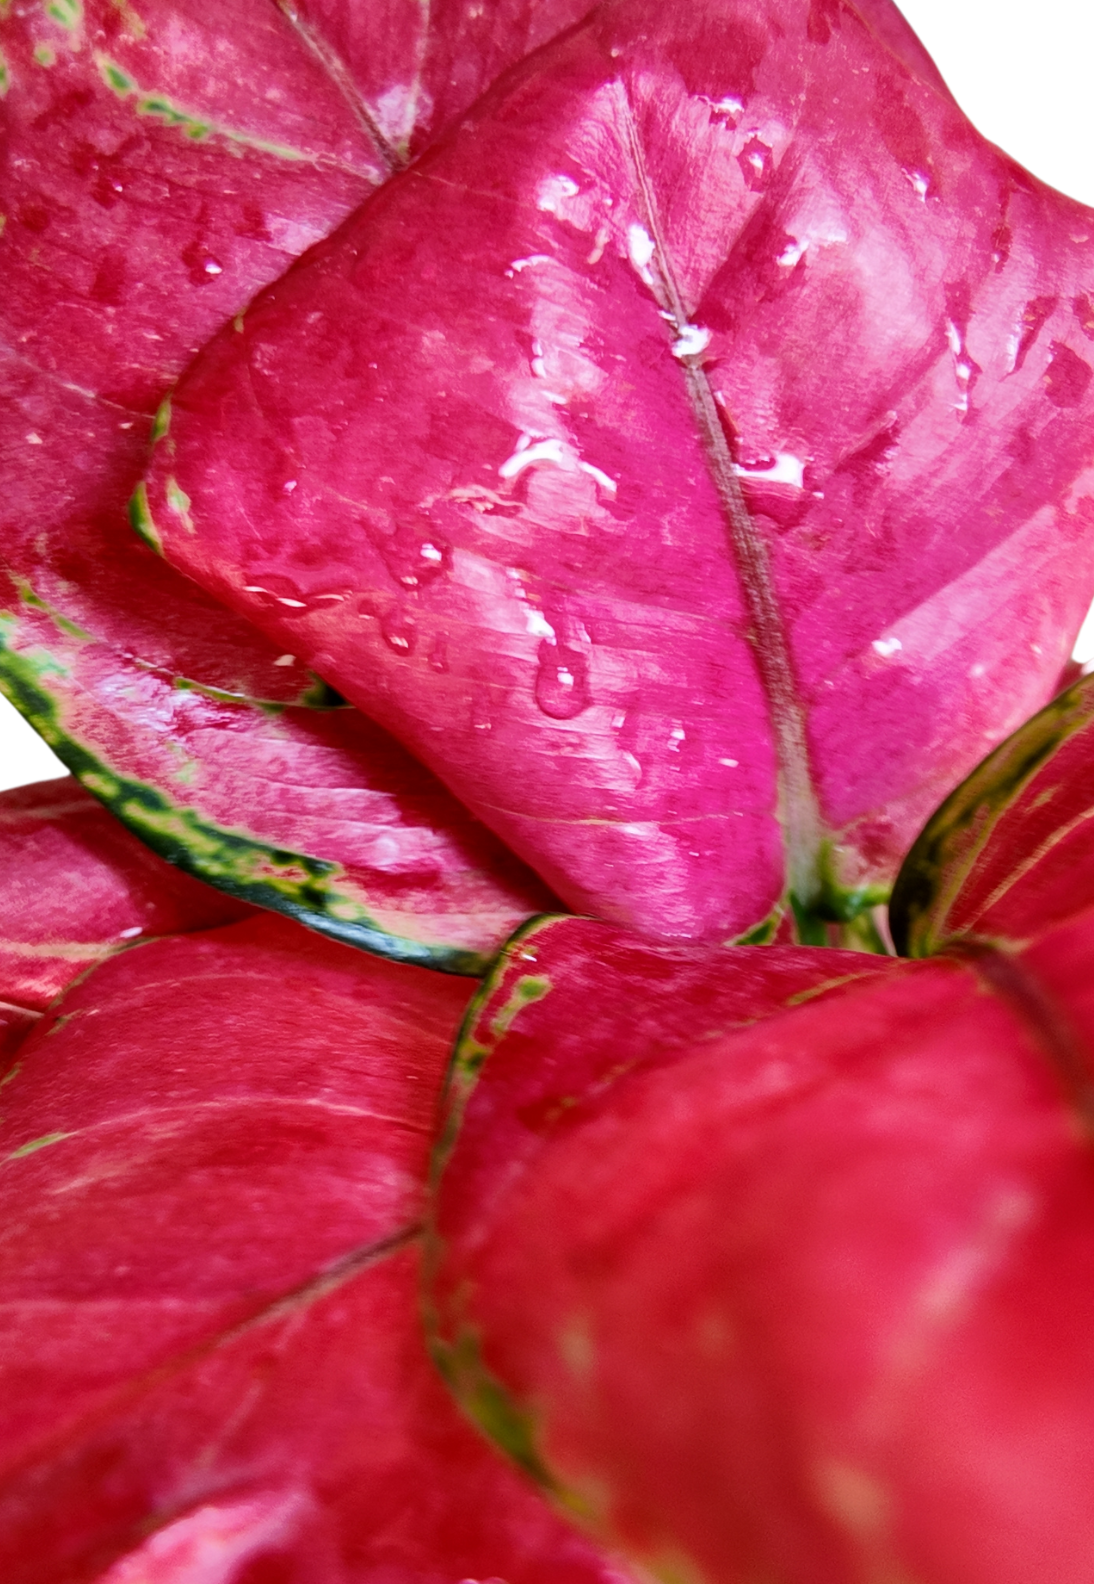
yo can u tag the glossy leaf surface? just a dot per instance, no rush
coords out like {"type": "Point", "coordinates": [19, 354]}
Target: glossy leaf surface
{"type": "Point", "coordinates": [1011, 851]}
{"type": "Point", "coordinates": [77, 888]}
{"type": "Point", "coordinates": [212, 1366]}
{"type": "Point", "coordinates": [315, 813]}
{"type": "Point", "coordinates": [165, 159]}
{"type": "Point", "coordinates": [809, 1300]}
{"type": "Point", "coordinates": [689, 459]}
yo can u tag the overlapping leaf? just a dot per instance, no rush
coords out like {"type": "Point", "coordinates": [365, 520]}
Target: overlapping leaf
{"type": "Point", "coordinates": [211, 1186]}
{"type": "Point", "coordinates": [77, 887]}
{"type": "Point", "coordinates": [689, 459]}
{"type": "Point", "coordinates": [806, 1300]}
{"type": "Point", "coordinates": [641, 1003]}
{"type": "Point", "coordinates": [151, 184]}
{"type": "Point", "coordinates": [1011, 851]}
{"type": "Point", "coordinates": [414, 70]}
{"type": "Point", "coordinates": [245, 797]}
{"type": "Point", "coordinates": [163, 160]}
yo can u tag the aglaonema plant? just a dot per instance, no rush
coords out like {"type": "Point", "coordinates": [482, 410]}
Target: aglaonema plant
{"type": "Point", "coordinates": [463, 464]}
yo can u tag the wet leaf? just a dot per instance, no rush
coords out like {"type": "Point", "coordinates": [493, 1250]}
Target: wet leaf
{"type": "Point", "coordinates": [165, 159]}
{"type": "Point", "coordinates": [805, 1299]}
{"type": "Point", "coordinates": [212, 1367]}
{"type": "Point", "coordinates": [690, 458]}
{"type": "Point", "coordinates": [243, 797]}
{"type": "Point", "coordinates": [414, 70]}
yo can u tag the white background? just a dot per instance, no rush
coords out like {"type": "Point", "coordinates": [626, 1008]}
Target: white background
{"type": "Point", "coordinates": [1022, 70]}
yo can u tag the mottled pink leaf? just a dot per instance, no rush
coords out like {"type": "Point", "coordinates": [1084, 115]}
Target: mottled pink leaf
{"type": "Point", "coordinates": [212, 1367]}
{"type": "Point", "coordinates": [809, 1300]}
{"type": "Point", "coordinates": [315, 813]}
{"type": "Point", "coordinates": [153, 181]}
{"type": "Point", "coordinates": [163, 160]}
{"type": "Point", "coordinates": [1011, 851]}
{"type": "Point", "coordinates": [77, 888]}
{"type": "Point", "coordinates": [688, 459]}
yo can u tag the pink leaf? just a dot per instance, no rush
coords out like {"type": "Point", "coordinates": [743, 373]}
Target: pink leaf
{"type": "Point", "coordinates": [690, 458]}
{"type": "Point", "coordinates": [164, 161]}
{"type": "Point", "coordinates": [805, 1300]}
{"type": "Point", "coordinates": [153, 183]}
{"type": "Point", "coordinates": [77, 888]}
{"type": "Point", "coordinates": [212, 1188]}
{"type": "Point", "coordinates": [245, 797]}
{"type": "Point", "coordinates": [16, 1023]}
{"type": "Point", "coordinates": [1011, 851]}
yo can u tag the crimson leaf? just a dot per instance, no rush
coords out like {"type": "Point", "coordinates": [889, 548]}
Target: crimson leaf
{"type": "Point", "coordinates": [212, 1186]}
{"type": "Point", "coordinates": [804, 1300]}
{"type": "Point", "coordinates": [77, 887]}
{"type": "Point", "coordinates": [1011, 850]}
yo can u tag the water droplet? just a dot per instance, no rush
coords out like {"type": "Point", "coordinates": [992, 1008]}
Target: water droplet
{"type": "Point", "coordinates": [727, 110]}
{"type": "Point", "coordinates": [793, 252]}
{"type": "Point", "coordinates": [107, 187]}
{"type": "Point", "coordinates": [757, 164]}
{"type": "Point", "coordinates": [252, 224]}
{"type": "Point", "coordinates": [413, 555]}
{"type": "Point", "coordinates": [554, 191]}
{"type": "Point", "coordinates": [201, 265]}
{"type": "Point", "coordinates": [692, 340]}
{"type": "Point", "coordinates": [399, 631]}
{"type": "Point", "coordinates": [438, 654]}
{"type": "Point", "coordinates": [1035, 315]}
{"type": "Point", "coordinates": [35, 217]}
{"type": "Point", "coordinates": [109, 284]}
{"type": "Point", "coordinates": [275, 590]}
{"type": "Point", "coordinates": [640, 246]}
{"type": "Point", "coordinates": [966, 370]}
{"type": "Point", "coordinates": [562, 681]}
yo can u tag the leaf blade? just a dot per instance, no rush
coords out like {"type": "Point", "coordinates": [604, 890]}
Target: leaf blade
{"type": "Point", "coordinates": [441, 514]}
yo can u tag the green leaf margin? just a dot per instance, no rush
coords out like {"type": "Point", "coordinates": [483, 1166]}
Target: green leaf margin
{"type": "Point", "coordinates": [945, 852]}
{"type": "Point", "coordinates": [298, 885]}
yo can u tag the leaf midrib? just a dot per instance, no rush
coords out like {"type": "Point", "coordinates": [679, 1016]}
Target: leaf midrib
{"type": "Point", "coordinates": [301, 1297]}
{"type": "Point", "coordinates": [341, 77]}
{"type": "Point", "coordinates": [799, 811]}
